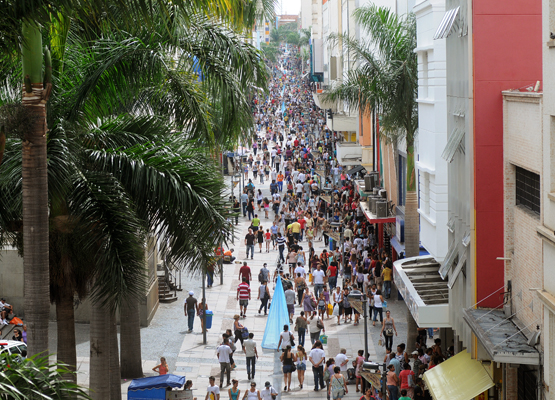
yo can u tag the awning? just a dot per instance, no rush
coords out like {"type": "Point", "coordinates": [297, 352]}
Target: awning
{"type": "Point", "coordinates": [424, 291]}
{"type": "Point", "coordinates": [356, 169]}
{"type": "Point", "coordinates": [454, 142]}
{"type": "Point", "coordinates": [500, 336]}
{"type": "Point", "coordinates": [446, 24]}
{"type": "Point", "coordinates": [458, 378]}
{"type": "Point", "coordinates": [157, 382]}
{"type": "Point", "coordinates": [400, 247]}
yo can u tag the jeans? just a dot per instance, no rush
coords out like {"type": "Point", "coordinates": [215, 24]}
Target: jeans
{"type": "Point", "coordinates": [301, 333]}
{"type": "Point", "coordinates": [332, 280]}
{"type": "Point", "coordinates": [281, 248]}
{"type": "Point", "coordinates": [280, 185]}
{"type": "Point", "coordinates": [264, 304]}
{"type": "Point", "coordinates": [251, 361]}
{"type": "Point", "coordinates": [314, 336]}
{"type": "Point", "coordinates": [387, 289]}
{"type": "Point", "coordinates": [190, 318]}
{"type": "Point", "coordinates": [209, 279]}
{"type": "Point", "coordinates": [251, 248]}
{"type": "Point", "coordinates": [244, 209]}
{"type": "Point", "coordinates": [300, 295]}
{"type": "Point", "coordinates": [297, 236]}
{"type": "Point", "coordinates": [378, 310]}
{"type": "Point", "coordinates": [318, 287]}
{"type": "Point", "coordinates": [393, 391]}
{"type": "Point", "coordinates": [388, 341]}
{"type": "Point", "coordinates": [251, 214]}
{"type": "Point", "coordinates": [225, 368]}
{"type": "Point", "coordinates": [318, 376]}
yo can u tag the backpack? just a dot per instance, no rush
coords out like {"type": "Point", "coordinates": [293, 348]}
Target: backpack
{"type": "Point", "coordinates": [245, 333]}
{"type": "Point", "coordinates": [260, 276]}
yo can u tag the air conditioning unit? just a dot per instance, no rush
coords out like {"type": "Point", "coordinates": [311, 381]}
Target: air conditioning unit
{"type": "Point", "coordinates": [376, 190]}
{"type": "Point", "coordinates": [368, 182]}
{"type": "Point", "coordinates": [383, 193]}
{"type": "Point", "coordinates": [325, 87]}
{"type": "Point", "coordinates": [381, 209]}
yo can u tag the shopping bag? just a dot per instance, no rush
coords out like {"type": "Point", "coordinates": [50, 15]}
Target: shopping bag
{"type": "Point", "coordinates": [336, 310]}
{"type": "Point", "coordinates": [324, 339]}
{"type": "Point", "coordinates": [380, 342]}
{"type": "Point", "coordinates": [330, 309]}
{"type": "Point", "coordinates": [310, 278]}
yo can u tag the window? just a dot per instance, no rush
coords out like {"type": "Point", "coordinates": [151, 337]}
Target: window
{"type": "Point", "coordinates": [528, 190]}
{"type": "Point", "coordinates": [402, 173]}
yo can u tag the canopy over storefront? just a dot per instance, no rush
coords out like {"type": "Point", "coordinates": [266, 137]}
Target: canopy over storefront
{"type": "Point", "coordinates": [458, 378]}
{"type": "Point", "coordinates": [501, 336]}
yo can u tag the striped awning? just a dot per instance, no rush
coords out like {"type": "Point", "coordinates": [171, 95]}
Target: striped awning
{"type": "Point", "coordinates": [446, 24]}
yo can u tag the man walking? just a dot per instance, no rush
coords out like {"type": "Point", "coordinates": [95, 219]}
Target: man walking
{"type": "Point", "coordinates": [224, 351]}
{"type": "Point", "coordinates": [245, 273]}
{"type": "Point", "coordinates": [342, 361]}
{"type": "Point", "coordinates": [243, 295]}
{"type": "Point", "coordinates": [212, 391]}
{"type": "Point", "coordinates": [318, 279]}
{"type": "Point", "coordinates": [317, 357]}
{"type": "Point", "coordinates": [249, 242]}
{"type": "Point", "coordinates": [290, 301]}
{"type": "Point", "coordinates": [268, 393]}
{"type": "Point", "coordinates": [249, 347]}
{"type": "Point", "coordinates": [191, 307]}
{"type": "Point", "coordinates": [281, 246]}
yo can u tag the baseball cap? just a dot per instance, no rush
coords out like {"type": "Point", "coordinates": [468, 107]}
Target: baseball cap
{"type": "Point", "coordinates": [267, 384]}
{"type": "Point", "coordinates": [414, 353]}
{"type": "Point", "coordinates": [191, 293]}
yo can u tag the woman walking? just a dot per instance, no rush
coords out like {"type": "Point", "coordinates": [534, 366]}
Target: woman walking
{"type": "Point", "coordinates": [338, 302]}
{"type": "Point", "coordinates": [378, 306]}
{"type": "Point", "coordinates": [202, 307]}
{"type": "Point", "coordinates": [358, 362]}
{"type": "Point", "coordinates": [260, 237]}
{"type": "Point", "coordinates": [302, 358]}
{"type": "Point", "coordinates": [300, 287]}
{"type": "Point", "coordinates": [388, 326]}
{"type": "Point", "coordinates": [307, 302]}
{"type": "Point", "coordinates": [252, 393]}
{"type": "Point", "coordinates": [338, 385]}
{"type": "Point", "coordinates": [264, 297]}
{"type": "Point", "coordinates": [234, 392]}
{"type": "Point", "coordinates": [301, 325]}
{"type": "Point", "coordinates": [237, 329]}
{"type": "Point", "coordinates": [288, 359]}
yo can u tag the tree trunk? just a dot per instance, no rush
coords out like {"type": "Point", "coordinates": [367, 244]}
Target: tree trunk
{"type": "Point", "coordinates": [35, 197]}
{"type": "Point", "coordinates": [130, 339]}
{"type": "Point", "coordinates": [100, 353]}
{"type": "Point", "coordinates": [65, 317]}
{"type": "Point", "coordinates": [412, 332]}
{"type": "Point", "coordinates": [115, 374]}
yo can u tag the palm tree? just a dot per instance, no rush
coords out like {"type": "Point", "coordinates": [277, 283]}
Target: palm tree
{"type": "Point", "coordinates": [21, 22]}
{"type": "Point", "coordinates": [386, 80]}
{"type": "Point", "coordinates": [35, 378]}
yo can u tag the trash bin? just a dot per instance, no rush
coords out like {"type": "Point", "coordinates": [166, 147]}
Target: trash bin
{"type": "Point", "coordinates": [331, 244]}
{"type": "Point", "coordinates": [209, 315]}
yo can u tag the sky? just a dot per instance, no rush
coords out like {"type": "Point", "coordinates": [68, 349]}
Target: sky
{"type": "Point", "coordinates": [289, 7]}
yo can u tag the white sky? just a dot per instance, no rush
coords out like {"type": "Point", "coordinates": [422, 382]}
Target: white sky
{"type": "Point", "coordinates": [289, 7]}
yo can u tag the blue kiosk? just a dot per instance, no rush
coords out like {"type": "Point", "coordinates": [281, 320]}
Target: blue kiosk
{"type": "Point", "coordinates": [157, 387]}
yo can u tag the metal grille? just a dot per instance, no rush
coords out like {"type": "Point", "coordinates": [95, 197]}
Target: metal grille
{"type": "Point", "coordinates": [526, 384]}
{"type": "Point", "coordinates": [528, 190]}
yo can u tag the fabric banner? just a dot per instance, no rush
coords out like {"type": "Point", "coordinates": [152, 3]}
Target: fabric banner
{"type": "Point", "coordinates": [277, 318]}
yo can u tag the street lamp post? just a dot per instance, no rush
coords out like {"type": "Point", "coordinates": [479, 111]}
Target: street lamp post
{"type": "Point", "coordinates": [204, 269]}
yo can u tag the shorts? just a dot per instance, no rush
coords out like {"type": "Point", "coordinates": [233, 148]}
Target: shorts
{"type": "Point", "coordinates": [243, 303]}
{"type": "Point", "coordinates": [301, 367]}
{"type": "Point", "coordinates": [287, 369]}
{"type": "Point", "coordinates": [291, 308]}
{"type": "Point", "coordinates": [322, 308]}
{"type": "Point", "coordinates": [347, 310]}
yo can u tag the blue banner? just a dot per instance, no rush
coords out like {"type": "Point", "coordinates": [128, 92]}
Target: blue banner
{"type": "Point", "coordinates": [277, 318]}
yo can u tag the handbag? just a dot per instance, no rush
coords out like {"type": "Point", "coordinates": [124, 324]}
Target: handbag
{"type": "Point", "coordinates": [293, 368]}
{"type": "Point", "coordinates": [313, 302]}
{"type": "Point", "coordinates": [388, 332]}
{"type": "Point", "coordinates": [335, 310]}
{"type": "Point", "coordinates": [292, 339]}
{"type": "Point", "coordinates": [319, 324]}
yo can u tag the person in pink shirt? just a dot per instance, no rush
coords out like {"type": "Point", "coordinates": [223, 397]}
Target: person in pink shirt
{"type": "Point", "coordinates": [407, 379]}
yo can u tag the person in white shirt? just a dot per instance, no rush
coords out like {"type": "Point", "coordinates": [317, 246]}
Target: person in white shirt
{"type": "Point", "coordinates": [342, 361]}
{"type": "Point", "coordinates": [299, 188]}
{"type": "Point", "coordinates": [285, 337]}
{"type": "Point", "coordinates": [300, 270]}
{"type": "Point", "coordinates": [223, 352]}
{"type": "Point", "coordinates": [212, 391]}
{"type": "Point", "coordinates": [317, 357]}
{"type": "Point", "coordinates": [249, 348]}
{"type": "Point", "coordinates": [318, 279]}
{"type": "Point", "coordinates": [268, 393]}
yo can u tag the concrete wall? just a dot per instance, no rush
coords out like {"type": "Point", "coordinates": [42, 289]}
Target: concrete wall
{"type": "Point", "coordinates": [522, 144]}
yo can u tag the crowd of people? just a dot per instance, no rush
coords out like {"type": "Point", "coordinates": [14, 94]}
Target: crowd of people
{"type": "Point", "coordinates": [311, 197]}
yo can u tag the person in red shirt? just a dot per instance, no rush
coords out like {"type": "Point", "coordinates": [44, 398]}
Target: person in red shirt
{"type": "Point", "coordinates": [243, 295]}
{"type": "Point", "coordinates": [302, 221]}
{"type": "Point", "coordinates": [296, 142]}
{"type": "Point", "coordinates": [245, 273]}
{"type": "Point", "coordinates": [332, 275]}
{"type": "Point", "coordinates": [406, 376]}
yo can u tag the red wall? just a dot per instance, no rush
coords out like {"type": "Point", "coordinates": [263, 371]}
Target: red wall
{"type": "Point", "coordinates": [507, 55]}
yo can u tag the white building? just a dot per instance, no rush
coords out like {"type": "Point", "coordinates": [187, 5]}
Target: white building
{"type": "Point", "coordinates": [432, 129]}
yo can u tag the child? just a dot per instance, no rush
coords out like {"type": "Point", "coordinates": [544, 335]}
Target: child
{"type": "Point", "coordinates": [404, 395]}
{"type": "Point", "coordinates": [268, 239]}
